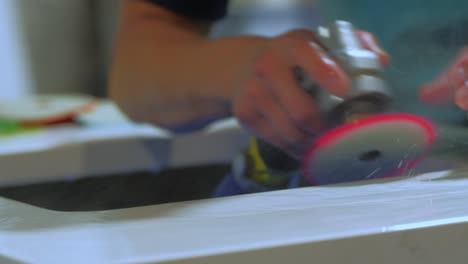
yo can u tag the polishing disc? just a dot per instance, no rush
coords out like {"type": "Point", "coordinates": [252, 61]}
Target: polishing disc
{"type": "Point", "coordinates": [374, 147]}
{"type": "Point", "coordinates": [45, 109]}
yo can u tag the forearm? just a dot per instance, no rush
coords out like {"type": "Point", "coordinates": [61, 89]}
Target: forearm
{"type": "Point", "coordinates": [167, 72]}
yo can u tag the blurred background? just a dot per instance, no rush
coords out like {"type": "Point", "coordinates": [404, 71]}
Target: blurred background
{"type": "Point", "coordinates": [55, 46]}
{"type": "Point", "coordinates": [51, 46]}
{"type": "Point", "coordinates": [60, 46]}
{"type": "Point", "coordinates": [65, 46]}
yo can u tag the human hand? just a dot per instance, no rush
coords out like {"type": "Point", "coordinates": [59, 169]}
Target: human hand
{"type": "Point", "coordinates": [451, 85]}
{"type": "Point", "coordinates": [268, 100]}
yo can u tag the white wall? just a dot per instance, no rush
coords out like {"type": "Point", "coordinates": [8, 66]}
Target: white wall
{"type": "Point", "coordinates": [107, 13]}
{"type": "Point", "coordinates": [60, 41]}
{"type": "Point", "coordinates": [14, 74]}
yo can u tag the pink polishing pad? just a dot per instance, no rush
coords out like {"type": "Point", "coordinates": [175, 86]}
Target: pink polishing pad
{"type": "Point", "coordinates": [375, 147]}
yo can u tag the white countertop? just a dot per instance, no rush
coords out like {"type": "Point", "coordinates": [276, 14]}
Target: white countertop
{"type": "Point", "coordinates": [411, 220]}
{"type": "Point", "coordinates": [415, 220]}
{"type": "Point", "coordinates": [108, 144]}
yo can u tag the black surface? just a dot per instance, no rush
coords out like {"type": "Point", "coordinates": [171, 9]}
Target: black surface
{"type": "Point", "coordinates": [209, 10]}
{"type": "Point", "coordinates": [121, 191]}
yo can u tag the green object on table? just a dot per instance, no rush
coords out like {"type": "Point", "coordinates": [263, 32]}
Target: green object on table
{"type": "Point", "coordinates": [8, 128]}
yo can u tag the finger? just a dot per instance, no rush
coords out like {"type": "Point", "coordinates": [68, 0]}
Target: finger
{"type": "Point", "coordinates": [445, 87]}
{"type": "Point", "coordinates": [270, 133]}
{"type": "Point", "coordinates": [437, 92]}
{"type": "Point", "coordinates": [461, 97]}
{"type": "Point", "coordinates": [322, 68]}
{"type": "Point", "coordinates": [286, 128]}
{"type": "Point", "coordinates": [253, 117]}
{"type": "Point", "coordinates": [299, 106]}
{"type": "Point", "coordinates": [257, 124]}
{"type": "Point", "coordinates": [458, 73]}
{"type": "Point", "coordinates": [370, 42]}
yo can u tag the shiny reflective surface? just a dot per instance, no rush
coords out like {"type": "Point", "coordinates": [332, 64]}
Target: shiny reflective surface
{"type": "Point", "coordinates": [431, 209]}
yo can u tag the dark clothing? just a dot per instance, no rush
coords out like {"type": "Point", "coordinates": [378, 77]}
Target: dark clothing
{"type": "Point", "coordinates": [206, 10]}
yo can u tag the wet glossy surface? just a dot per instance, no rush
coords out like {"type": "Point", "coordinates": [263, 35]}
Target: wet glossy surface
{"type": "Point", "coordinates": [383, 216]}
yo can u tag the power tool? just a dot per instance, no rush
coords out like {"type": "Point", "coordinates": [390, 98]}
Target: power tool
{"type": "Point", "coordinates": [362, 138]}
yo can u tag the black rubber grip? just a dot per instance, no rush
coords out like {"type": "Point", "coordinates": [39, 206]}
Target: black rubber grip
{"type": "Point", "coordinates": [275, 158]}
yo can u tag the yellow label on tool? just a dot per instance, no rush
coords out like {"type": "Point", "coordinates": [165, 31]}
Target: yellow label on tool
{"type": "Point", "coordinates": [259, 167]}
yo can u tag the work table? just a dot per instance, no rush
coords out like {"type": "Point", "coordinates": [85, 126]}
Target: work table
{"type": "Point", "coordinates": [417, 219]}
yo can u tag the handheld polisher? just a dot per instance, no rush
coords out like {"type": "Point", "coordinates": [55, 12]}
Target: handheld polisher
{"type": "Point", "coordinates": [362, 138]}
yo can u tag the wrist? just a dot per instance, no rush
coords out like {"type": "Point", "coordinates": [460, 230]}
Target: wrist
{"type": "Point", "coordinates": [230, 60]}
